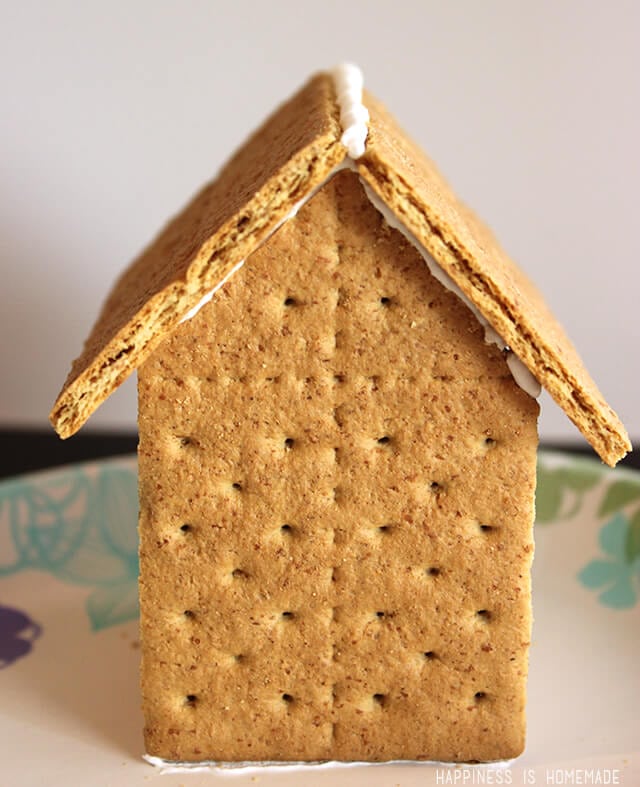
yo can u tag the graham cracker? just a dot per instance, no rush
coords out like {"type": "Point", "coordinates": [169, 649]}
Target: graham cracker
{"type": "Point", "coordinates": [336, 508]}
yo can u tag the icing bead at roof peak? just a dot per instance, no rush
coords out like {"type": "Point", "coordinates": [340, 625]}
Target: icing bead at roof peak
{"type": "Point", "coordinates": [354, 116]}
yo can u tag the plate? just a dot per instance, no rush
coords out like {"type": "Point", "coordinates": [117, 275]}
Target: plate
{"type": "Point", "coordinates": [69, 644]}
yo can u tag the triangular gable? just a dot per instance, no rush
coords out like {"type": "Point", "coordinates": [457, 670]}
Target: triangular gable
{"type": "Point", "coordinates": [293, 153]}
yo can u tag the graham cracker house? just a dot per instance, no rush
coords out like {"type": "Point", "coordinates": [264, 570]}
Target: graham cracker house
{"type": "Point", "coordinates": [337, 461]}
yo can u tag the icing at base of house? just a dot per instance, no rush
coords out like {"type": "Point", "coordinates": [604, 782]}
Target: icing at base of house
{"type": "Point", "coordinates": [170, 767]}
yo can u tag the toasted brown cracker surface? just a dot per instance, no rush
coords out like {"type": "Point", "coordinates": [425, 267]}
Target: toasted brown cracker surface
{"type": "Point", "coordinates": [337, 478]}
{"type": "Point", "coordinates": [408, 182]}
{"type": "Point", "coordinates": [285, 159]}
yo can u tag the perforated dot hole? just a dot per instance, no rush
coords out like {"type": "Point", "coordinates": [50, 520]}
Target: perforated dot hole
{"type": "Point", "coordinates": [380, 699]}
{"type": "Point", "coordinates": [288, 443]}
{"type": "Point", "coordinates": [436, 487]}
{"type": "Point", "coordinates": [486, 528]}
{"type": "Point", "coordinates": [186, 528]}
{"type": "Point", "coordinates": [287, 530]}
{"type": "Point", "coordinates": [489, 442]}
{"type": "Point", "coordinates": [385, 529]}
{"type": "Point", "coordinates": [484, 614]}
{"type": "Point", "coordinates": [188, 613]}
{"type": "Point", "coordinates": [433, 571]}
{"type": "Point", "coordinates": [385, 301]}
{"type": "Point", "coordinates": [190, 700]}
{"type": "Point", "coordinates": [238, 573]}
{"type": "Point", "coordinates": [380, 614]}
{"type": "Point", "coordinates": [479, 696]}
{"type": "Point", "coordinates": [185, 440]}
{"type": "Point", "coordinates": [290, 301]}
{"type": "Point", "coordinates": [287, 698]}
{"type": "Point", "coordinates": [430, 655]}
{"type": "Point", "coordinates": [384, 440]}
{"type": "Point", "coordinates": [288, 615]}
{"type": "Point", "coordinates": [237, 486]}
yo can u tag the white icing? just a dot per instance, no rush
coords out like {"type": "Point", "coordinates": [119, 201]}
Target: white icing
{"type": "Point", "coordinates": [354, 116]}
{"type": "Point", "coordinates": [206, 298]}
{"type": "Point", "coordinates": [167, 767]}
{"type": "Point", "coordinates": [523, 376]}
{"type": "Point", "coordinates": [290, 215]}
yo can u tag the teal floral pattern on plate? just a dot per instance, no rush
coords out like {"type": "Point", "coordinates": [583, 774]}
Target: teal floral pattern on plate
{"type": "Point", "coordinates": [617, 575]}
{"type": "Point", "coordinates": [562, 490]}
{"type": "Point", "coordinates": [619, 572]}
{"type": "Point", "coordinates": [78, 524]}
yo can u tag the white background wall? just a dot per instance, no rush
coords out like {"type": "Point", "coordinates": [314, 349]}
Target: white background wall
{"type": "Point", "coordinates": [113, 113]}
